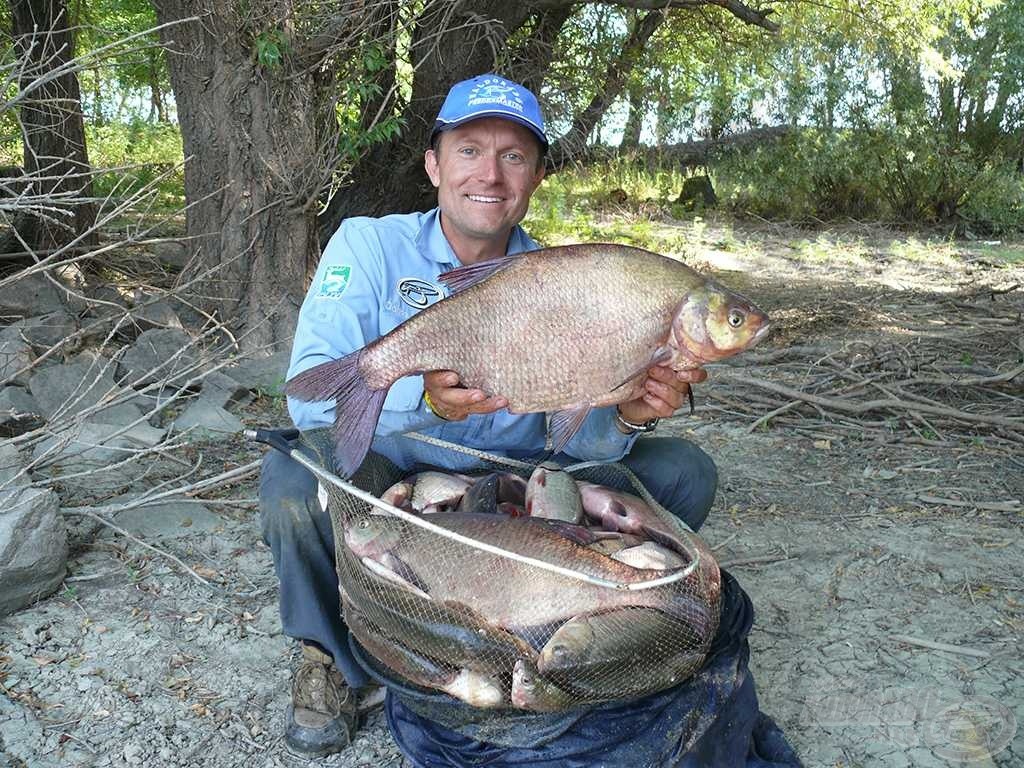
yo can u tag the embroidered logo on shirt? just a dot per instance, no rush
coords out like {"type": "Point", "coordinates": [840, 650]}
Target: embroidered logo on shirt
{"type": "Point", "coordinates": [417, 293]}
{"type": "Point", "coordinates": [335, 282]}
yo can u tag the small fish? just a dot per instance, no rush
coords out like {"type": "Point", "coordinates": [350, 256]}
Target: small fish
{"type": "Point", "coordinates": [620, 653]}
{"type": "Point", "coordinates": [488, 493]}
{"type": "Point", "coordinates": [399, 495]}
{"type": "Point", "coordinates": [427, 492]}
{"type": "Point", "coordinates": [552, 493]}
{"type": "Point", "coordinates": [447, 631]}
{"type": "Point", "coordinates": [650, 556]}
{"type": "Point", "coordinates": [531, 691]}
{"type": "Point", "coordinates": [472, 687]}
{"type": "Point", "coordinates": [643, 308]}
{"type": "Point", "coordinates": [437, 491]}
{"type": "Point", "coordinates": [616, 510]}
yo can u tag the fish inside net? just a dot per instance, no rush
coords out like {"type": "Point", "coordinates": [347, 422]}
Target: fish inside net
{"type": "Point", "coordinates": [516, 614]}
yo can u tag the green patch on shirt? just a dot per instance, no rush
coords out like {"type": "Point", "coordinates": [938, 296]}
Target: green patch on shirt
{"type": "Point", "coordinates": [335, 282]}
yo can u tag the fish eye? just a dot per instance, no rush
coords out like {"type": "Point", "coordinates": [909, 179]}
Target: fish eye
{"type": "Point", "coordinates": [364, 523]}
{"type": "Point", "coordinates": [736, 318]}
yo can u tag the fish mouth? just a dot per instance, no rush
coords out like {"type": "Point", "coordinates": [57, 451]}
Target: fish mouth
{"type": "Point", "coordinates": [761, 333]}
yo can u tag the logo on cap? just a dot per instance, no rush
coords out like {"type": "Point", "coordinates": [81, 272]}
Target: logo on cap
{"type": "Point", "coordinates": [494, 90]}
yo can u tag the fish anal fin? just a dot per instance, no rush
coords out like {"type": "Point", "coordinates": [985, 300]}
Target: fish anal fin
{"type": "Point", "coordinates": [461, 278]}
{"type": "Point", "coordinates": [562, 425]}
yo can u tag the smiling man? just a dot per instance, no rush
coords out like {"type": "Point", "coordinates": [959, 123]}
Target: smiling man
{"type": "Point", "coordinates": [486, 159]}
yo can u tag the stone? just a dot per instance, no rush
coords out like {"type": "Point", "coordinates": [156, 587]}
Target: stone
{"type": "Point", "coordinates": [171, 252]}
{"type": "Point", "coordinates": [149, 312]}
{"type": "Point", "coordinates": [44, 332]}
{"type": "Point", "coordinates": [33, 547]}
{"type": "Point", "coordinates": [94, 445]}
{"type": "Point", "coordinates": [83, 381]}
{"type": "Point", "coordinates": [166, 519]}
{"type": "Point", "coordinates": [15, 355]}
{"type": "Point", "coordinates": [207, 421]}
{"type": "Point", "coordinates": [221, 390]}
{"type": "Point", "coordinates": [263, 374]}
{"type": "Point", "coordinates": [29, 296]}
{"type": "Point", "coordinates": [11, 466]}
{"type": "Point", "coordinates": [163, 354]}
{"type": "Point", "coordinates": [19, 412]}
{"type": "Point", "coordinates": [80, 457]}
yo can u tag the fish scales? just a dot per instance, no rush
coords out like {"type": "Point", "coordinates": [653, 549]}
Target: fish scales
{"type": "Point", "coordinates": [556, 330]}
{"type": "Point", "coordinates": [542, 332]}
{"type": "Point", "coordinates": [513, 595]}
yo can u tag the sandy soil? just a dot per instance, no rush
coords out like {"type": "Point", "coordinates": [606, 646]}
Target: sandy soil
{"type": "Point", "coordinates": [888, 628]}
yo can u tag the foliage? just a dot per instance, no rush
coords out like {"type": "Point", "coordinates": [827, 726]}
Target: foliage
{"type": "Point", "coordinates": [133, 81]}
{"type": "Point", "coordinates": [135, 154]}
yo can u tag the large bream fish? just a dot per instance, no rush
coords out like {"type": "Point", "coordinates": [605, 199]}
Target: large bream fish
{"type": "Point", "coordinates": [558, 330]}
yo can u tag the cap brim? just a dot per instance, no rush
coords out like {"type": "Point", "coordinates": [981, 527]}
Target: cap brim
{"type": "Point", "coordinates": [442, 125]}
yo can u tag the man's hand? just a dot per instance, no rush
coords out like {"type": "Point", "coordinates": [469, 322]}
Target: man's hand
{"type": "Point", "coordinates": [455, 403]}
{"type": "Point", "coordinates": [664, 393]}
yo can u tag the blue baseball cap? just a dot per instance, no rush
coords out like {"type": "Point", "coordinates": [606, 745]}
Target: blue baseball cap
{"type": "Point", "coordinates": [490, 96]}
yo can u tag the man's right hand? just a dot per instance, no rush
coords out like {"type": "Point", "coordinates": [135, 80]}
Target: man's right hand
{"type": "Point", "coordinates": [454, 402]}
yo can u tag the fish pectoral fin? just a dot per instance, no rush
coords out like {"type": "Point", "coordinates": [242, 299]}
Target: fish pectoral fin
{"type": "Point", "coordinates": [660, 356]}
{"type": "Point", "coordinates": [562, 425]}
{"type": "Point", "coordinates": [461, 278]}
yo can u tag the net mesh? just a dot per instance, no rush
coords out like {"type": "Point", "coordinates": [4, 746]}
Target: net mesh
{"type": "Point", "coordinates": [519, 613]}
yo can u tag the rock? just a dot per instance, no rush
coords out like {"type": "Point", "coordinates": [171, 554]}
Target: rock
{"type": "Point", "coordinates": [265, 374]}
{"type": "Point", "coordinates": [44, 332]}
{"type": "Point", "coordinates": [166, 520]}
{"type": "Point", "coordinates": [93, 445]}
{"type": "Point", "coordinates": [83, 381]}
{"type": "Point", "coordinates": [171, 252]}
{"type": "Point", "coordinates": [207, 421]}
{"type": "Point", "coordinates": [149, 312]}
{"type": "Point", "coordinates": [19, 412]}
{"type": "Point", "coordinates": [33, 547]}
{"type": "Point", "coordinates": [79, 458]}
{"type": "Point", "coordinates": [165, 354]}
{"type": "Point", "coordinates": [15, 355]}
{"type": "Point", "coordinates": [221, 390]}
{"type": "Point", "coordinates": [29, 296]}
{"type": "Point", "coordinates": [10, 468]}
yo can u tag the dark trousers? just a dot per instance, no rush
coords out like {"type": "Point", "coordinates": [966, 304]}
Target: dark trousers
{"type": "Point", "coordinates": [676, 472]}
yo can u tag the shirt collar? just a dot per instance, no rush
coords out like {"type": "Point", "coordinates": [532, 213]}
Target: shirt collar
{"type": "Point", "coordinates": [435, 246]}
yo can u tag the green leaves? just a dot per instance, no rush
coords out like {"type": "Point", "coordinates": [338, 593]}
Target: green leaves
{"type": "Point", "coordinates": [271, 46]}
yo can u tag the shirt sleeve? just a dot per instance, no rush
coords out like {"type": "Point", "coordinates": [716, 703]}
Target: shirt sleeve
{"type": "Point", "coordinates": [340, 314]}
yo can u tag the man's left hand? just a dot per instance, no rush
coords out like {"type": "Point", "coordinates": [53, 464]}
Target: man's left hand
{"type": "Point", "coordinates": [664, 393]}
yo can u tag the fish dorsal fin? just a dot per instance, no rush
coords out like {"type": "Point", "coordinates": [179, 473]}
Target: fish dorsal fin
{"type": "Point", "coordinates": [461, 278]}
{"type": "Point", "coordinates": [562, 425]}
{"type": "Point", "coordinates": [660, 356]}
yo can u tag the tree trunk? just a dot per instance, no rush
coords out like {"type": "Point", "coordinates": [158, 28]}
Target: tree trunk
{"type": "Point", "coordinates": [634, 120]}
{"type": "Point", "coordinates": [53, 134]}
{"type": "Point", "coordinates": [156, 95]}
{"type": "Point", "coordinates": [251, 174]}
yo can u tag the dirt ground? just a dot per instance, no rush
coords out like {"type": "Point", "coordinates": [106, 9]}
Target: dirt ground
{"type": "Point", "coordinates": [885, 573]}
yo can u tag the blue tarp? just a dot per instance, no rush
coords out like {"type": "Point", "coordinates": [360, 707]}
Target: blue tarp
{"type": "Point", "coordinates": [710, 721]}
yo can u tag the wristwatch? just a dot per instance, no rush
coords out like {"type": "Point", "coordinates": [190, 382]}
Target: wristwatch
{"type": "Point", "coordinates": [647, 426]}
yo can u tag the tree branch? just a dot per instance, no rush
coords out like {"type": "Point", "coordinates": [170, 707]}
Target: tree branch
{"type": "Point", "coordinates": [740, 10]}
{"type": "Point", "coordinates": [618, 70]}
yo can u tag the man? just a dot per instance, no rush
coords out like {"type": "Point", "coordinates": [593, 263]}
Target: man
{"type": "Point", "coordinates": [486, 159]}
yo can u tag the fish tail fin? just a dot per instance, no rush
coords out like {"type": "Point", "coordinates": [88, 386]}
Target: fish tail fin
{"type": "Point", "coordinates": [357, 406]}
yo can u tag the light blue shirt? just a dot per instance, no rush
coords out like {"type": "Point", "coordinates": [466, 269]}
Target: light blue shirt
{"type": "Point", "coordinates": [374, 275]}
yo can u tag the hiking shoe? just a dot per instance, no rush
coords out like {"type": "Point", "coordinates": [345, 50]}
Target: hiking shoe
{"type": "Point", "coordinates": [324, 715]}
